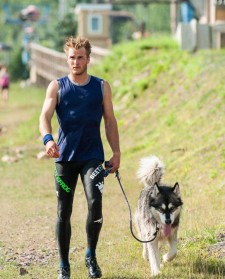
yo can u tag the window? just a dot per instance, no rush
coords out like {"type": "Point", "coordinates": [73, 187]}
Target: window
{"type": "Point", "coordinates": [95, 24]}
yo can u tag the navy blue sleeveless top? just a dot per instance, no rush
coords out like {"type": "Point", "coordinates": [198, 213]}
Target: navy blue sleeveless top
{"type": "Point", "coordinates": [79, 112]}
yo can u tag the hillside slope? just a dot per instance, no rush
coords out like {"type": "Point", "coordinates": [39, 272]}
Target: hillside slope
{"type": "Point", "coordinates": [172, 104]}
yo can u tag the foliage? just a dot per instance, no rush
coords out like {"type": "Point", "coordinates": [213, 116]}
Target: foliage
{"type": "Point", "coordinates": [16, 68]}
{"type": "Point", "coordinates": [66, 27]}
{"type": "Point", "coordinates": [51, 31]}
{"type": "Point", "coordinates": [122, 30]}
{"type": "Point", "coordinates": [156, 17]}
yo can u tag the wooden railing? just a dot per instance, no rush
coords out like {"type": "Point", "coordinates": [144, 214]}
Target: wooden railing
{"type": "Point", "coordinates": [48, 64]}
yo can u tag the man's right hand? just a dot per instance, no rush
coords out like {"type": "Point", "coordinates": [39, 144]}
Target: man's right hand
{"type": "Point", "coordinates": [52, 149]}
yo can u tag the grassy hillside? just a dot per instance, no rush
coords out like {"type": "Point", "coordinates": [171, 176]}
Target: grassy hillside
{"type": "Point", "coordinates": [168, 103]}
{"type": "Point", "coordinates": [171, 104]}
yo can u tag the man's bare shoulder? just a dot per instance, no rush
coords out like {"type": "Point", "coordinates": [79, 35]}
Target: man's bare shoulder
{"type": "Point", "coordinates": [107, 88]}
{"type": "Point", "coordinates": [54, 84]}
{"type": "Point", "coordinates": [52, 90]}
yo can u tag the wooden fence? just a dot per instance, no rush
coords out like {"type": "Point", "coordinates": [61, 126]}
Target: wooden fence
{"type": "Point", "coordinates": [47, 64]}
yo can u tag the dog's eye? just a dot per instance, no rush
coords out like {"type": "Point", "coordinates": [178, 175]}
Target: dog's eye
{"type": "Point", "coordinates": [172, 209]}
{"type": "Point", "coordinates": [160, 209]}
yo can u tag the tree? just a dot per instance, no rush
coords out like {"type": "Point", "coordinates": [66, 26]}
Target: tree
{"type": "Point", "coordinates": [65, 28]}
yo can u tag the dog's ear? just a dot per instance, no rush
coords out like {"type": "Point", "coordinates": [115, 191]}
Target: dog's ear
{"type": "Point", "coordinates": [176, 189]}
{"type": "Point", "coordinates": [155, 190]}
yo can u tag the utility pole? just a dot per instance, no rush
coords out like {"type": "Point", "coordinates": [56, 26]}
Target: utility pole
{"type": "Point", "coordinates": [62, 9]}
{"type": "Point", "coordinates": [173, 17]}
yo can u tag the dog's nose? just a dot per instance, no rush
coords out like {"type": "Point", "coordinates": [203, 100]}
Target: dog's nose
{"type": "Point", "coordinates": [168, 221]}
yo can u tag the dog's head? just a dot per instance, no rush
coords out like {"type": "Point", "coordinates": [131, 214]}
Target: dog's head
{"type": "Point", "coordinates": [166, 203]}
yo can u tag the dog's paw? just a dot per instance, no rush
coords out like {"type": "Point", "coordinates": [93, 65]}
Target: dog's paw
{"type": "Point", "coordinates": [168, 257]}
{"type": "Point", "coordinates": [155, 272]}
{"type": "Point", "coordinates": [165, 258]}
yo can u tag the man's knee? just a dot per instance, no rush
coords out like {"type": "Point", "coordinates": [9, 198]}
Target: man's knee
{"type": "Point", "coordinates": [95, 209]}
{"type": "Point", "coordinates": [64, 213]}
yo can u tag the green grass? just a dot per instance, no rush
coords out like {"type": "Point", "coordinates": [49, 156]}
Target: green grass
{"type": "Point", "coordinates": [168, 103]}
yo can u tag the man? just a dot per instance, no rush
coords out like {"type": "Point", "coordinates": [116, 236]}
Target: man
{"type": "Point", "coordinates": [80, 102]}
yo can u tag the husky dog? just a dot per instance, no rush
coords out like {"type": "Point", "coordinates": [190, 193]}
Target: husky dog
{"type": "Point", "coordinates": [159, 206]}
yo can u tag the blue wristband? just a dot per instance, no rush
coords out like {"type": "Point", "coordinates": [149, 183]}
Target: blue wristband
{"type": "Point", "coordinates": [47, 138]}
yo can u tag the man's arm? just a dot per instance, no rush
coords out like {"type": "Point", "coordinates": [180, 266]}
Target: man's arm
{"type": "Point", "coordinates": [46, 116]}
{"type": "Point", "coordinates": [111, 127]}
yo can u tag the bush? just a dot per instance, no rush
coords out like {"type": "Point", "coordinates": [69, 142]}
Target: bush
{"type": "Point", "coordinates": [17, 69]}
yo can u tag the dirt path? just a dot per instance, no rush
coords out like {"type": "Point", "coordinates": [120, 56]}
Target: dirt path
{"type": "Point", "coordinates": [26, 234]}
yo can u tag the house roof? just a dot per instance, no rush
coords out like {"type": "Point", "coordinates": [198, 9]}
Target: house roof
{"type": "Point", "coordinates": [145, 2]}
{"type": "Point", "coordinates": [92, 7]}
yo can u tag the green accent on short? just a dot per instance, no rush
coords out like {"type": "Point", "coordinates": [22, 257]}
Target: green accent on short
{"type": "Point", "coordinates": [62, 183]}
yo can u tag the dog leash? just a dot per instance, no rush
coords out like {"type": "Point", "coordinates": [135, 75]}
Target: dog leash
{"type": "Point", "coordinates": [117, 175]}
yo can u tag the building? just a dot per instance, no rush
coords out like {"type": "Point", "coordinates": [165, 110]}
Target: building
{"type": "Point", "coordinates": [95, 21]}
{"type": "Point", "coordinates": [200, 23]}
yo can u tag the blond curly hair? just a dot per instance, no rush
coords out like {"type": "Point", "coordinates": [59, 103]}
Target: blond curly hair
{"type": "Point", "coordinates": [76, 43]}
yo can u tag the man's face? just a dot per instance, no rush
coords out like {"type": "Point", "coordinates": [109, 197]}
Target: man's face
{"type": "Point", "coordinates": [77, 60]}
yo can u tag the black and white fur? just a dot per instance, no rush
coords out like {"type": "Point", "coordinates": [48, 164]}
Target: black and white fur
{"type": "Point", "coordinates": [158, 205]}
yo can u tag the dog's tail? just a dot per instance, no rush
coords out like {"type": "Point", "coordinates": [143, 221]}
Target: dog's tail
{"type": "Point", "coordinates": [150, 171]}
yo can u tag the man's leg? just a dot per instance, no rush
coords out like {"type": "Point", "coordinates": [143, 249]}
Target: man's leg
{"type": "Point", "coordinates": [65, 180]}
{"type": "Point", "coordinates": [92, 175]}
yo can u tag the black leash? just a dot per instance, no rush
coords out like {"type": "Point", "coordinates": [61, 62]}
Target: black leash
{"type": "Point", "coordinates": [117, 175]}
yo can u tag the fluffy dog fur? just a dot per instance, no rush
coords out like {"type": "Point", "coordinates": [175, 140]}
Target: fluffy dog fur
{"type": "Point", "coordinates": [158, 205]}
